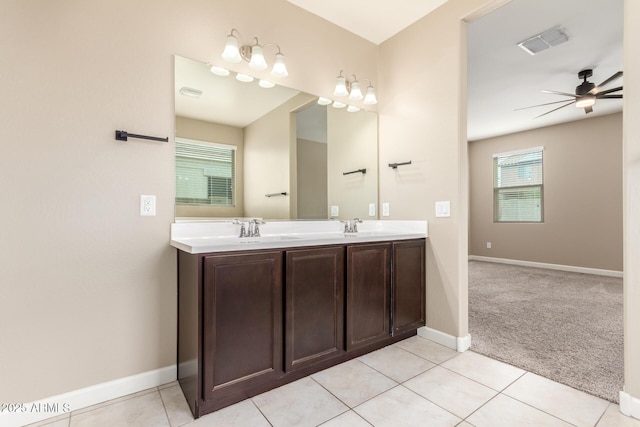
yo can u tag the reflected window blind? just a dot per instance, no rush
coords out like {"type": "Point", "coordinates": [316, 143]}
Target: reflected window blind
{"type": "Point", "coordinates": [518, 186]}
{"type": "Point", "coordinates": [205, 173]}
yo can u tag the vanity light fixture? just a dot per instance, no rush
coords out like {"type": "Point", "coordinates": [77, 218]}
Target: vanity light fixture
{"type": "Point", "coordinates": [253, 54]}
{"type": "Point", "coordinates": [219, 71]}
{"type": "Point", "coordinates": [266, 84]}
{"type": "Point", "coordinates": [352, 109]}
{"type": "Point", "coordinates": [351, 88]}
{"type": "Point", "coordinates": [338, 104]}
{"type": "Point", "coordinates": [244, 78]}
{"type": "Point", "coordinates": [324, 101]}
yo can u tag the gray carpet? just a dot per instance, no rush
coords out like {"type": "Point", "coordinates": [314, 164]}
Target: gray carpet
{"type": "Point", "coordinates": [563, 326]}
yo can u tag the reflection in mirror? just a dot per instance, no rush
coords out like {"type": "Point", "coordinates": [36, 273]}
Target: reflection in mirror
{"type": "Point", "coordinates": [244, 150]}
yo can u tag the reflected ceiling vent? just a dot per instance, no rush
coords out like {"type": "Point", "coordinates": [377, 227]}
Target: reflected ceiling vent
{"type": "Point", "coordinates": [545, 40]}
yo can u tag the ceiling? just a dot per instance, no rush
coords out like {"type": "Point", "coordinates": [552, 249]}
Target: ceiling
{"type": "Point", "coordinates": [501, 76]}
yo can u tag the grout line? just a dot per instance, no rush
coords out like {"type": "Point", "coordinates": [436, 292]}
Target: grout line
{"type": "Point", "coordinates": [164, 406]}
{"type": "Point", "coordinates": [259, 410]}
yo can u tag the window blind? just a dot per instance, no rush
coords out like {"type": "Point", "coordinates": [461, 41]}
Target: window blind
{"type": "Point", "coordinates": [518, 186]}
{"type": "Point", "coordinates": [205, 173]}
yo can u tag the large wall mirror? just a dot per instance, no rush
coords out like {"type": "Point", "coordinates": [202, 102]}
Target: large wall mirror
{"type": "Point", "coordinates": [253, 149]}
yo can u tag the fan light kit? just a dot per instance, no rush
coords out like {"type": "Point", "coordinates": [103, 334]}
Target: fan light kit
{"type": "Point", "coordinates": [586, 93]}
{"type": "Point", "coordinates": [253, 54]}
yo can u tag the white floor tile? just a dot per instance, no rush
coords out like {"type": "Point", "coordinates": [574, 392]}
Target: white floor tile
{"type": "Point", "coordinates": [299, 404]}
{"type": "Point", "coordinates": [503, 411]}
{"type": "Point", "coordinates": [396, 363]}
{"type": "Point", "coordinates": [242, 414]}
{"type": "Point", "coordinates": [564, 402]}
{"type": "Point", "coordinates": [451, 391]}
{"type": "Point", "coordinates": [176, 405]}
{"type": "Point", "coordinates": [58, 421]}
{"type": "Point", "coordinates": [426, 349]}
{"type": "Point", "coordinates": [141, 411]}
{"type": "Point", "coordinates": [348, 419]}
{"type": "Point", "coordinates": [353, 382]}
{"type": "Point", "coordinates": [484, 370]}
{"type": "Point", "coordinates": [614, 418]}
{"type": "Point", "coordinates": [402, 407]}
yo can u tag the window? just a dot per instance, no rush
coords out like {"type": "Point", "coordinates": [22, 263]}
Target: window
{"type": "Point", "coordinates": [205, 173]}
{"type": "Point", "coordinates": [517, 186]}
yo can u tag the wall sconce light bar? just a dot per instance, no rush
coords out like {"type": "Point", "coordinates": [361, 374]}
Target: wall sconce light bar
{"type": "Point", "coordinates": [253, 54]}
{"type": "Point", "coordinates": [351, 88]}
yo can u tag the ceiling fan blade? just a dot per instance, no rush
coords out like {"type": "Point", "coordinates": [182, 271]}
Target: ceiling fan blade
{"type": "Point", "coordinates": [555, 109]}
{"type": "Point", "coordinates": [588, 110]}
{"type": "Point", "coordinates": [560, 93]}
{"type": "Point", "coordinates": [610, 97]}
{"type": "Point", "coordinates": [540, 105]}
{"type": "Point", "coordinates": [596, 89]}
{"type": "Point", "coordinates": [604, 92]}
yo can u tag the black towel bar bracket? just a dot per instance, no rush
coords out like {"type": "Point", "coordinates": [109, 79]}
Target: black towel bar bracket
{"type": "Point", "coordinates": [122, 135]}
{"type": "Point", "coordinates": [283, 193]}
{"type": "Point", "coordinates": [395, 165]}
{"type": "Point", "coordinates": [356, 171]}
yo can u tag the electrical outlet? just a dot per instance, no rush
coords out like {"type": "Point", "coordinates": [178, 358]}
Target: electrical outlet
{"type": "Point", "coordinates": [147, 205]}
{"type": "Point", "coordinates": [385, 209]}
{"type": "Point", "coordinates": [443, 209]}
{"type": "Point", "coordinates": [488, 245]}
{"type": "Point", "coordinates": [334, 211]}
{"type": "Point", "coordinates": [372, 209]}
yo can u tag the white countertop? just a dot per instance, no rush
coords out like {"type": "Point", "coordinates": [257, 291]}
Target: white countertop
{"type": "Point", "coordinates": [203, 236]}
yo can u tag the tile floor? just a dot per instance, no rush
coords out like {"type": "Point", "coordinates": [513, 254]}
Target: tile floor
{"type": "Point", "coordinates": [414, 382]}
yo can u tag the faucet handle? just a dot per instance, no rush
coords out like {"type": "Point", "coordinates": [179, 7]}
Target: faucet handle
{"type": "Point", "coordinates": [347, 225]}
{"type": "Point", "coordinates": [256, 229]}
{"type": "Point", "coordinates": [243, 230]}
{"type": "Point", "coordinates": [354, 227]}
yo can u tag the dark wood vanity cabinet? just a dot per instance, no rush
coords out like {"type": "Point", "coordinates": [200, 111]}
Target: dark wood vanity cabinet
{"type": "Point", "coordinates": [242, 321]}
{"type": "Point", "coordinates": [250, 321]}
{"type": "Point", "coordinates": [314, 306]}
{"type": "Point", "coordinates": [408, 290]}
{"type": "Point", "coordinates": [368, 294]}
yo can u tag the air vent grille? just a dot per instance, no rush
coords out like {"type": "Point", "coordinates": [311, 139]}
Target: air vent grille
{"type": "Point", "coordinates": [545, 40]}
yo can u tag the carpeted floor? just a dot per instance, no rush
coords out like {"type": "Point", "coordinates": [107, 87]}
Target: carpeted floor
{"type": "Point", "coordinates": [563, 326]}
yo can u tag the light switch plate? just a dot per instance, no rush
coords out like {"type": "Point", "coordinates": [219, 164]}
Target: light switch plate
{"type": "Point", "coordinates": [372, 209]}
{"type": "Point", "coordinates": [385, 209]}
{"type": "Point", "coordinates": [334, 211]}
{"type": "Point", "coordinates": [443, 209]}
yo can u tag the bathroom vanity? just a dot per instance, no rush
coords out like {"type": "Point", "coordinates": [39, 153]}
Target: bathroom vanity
{"type": "Point", "coordinates": [255, 313]}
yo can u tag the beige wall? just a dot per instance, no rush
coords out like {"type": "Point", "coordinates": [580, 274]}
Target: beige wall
{"type": "Point", "coordinates": [213, 132]}
{"type": "Point", "coordinates": [269, 161]}
{"type": "Point", "coordinates": [352, 145]}
{"type": "Point", "coordinates": [312, 179]}
{"type": "Point", "coordinates": [87, 284]}
{"type": "Point", "coordinates": [631, 196]}
{"type": "Point", "coordinates": [582, 227]}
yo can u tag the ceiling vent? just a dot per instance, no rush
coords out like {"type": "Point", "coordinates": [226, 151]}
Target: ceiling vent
{"type": "Point", "coordinates": [545, 40]}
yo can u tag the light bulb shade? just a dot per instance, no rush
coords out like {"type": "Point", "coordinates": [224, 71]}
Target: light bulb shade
{"type": "Point", "coordinates": [231, 53]}
{"type": "Point", "coordinates": [324, 101]}
{"type": "Point", "coordinates": [266, 84]}
{"type": "Point", "coordinates": [257, 59]}
{"type": "Point", "coordinates": [279, 68]}
{"type": "Point", "coordinates": [219, 71]}
{"type": "Point", "coordinates": [244, 78]}
{"type": "Point", "coordinates": [338, 104]}
{"type": "Point", "coordinates": [370, 97]}
{"type": "Point", "coordinates": [585, 101]}
{"type": "Point", "coordinates": [341, 87]}
{"type": "Point", "coordinates": [356, 93]}
{"type": "Point", "coordinates": [352, 109]}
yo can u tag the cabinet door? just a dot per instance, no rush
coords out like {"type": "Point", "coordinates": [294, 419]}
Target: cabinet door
{"type": "Point", "coordinates": [408, 285]}
{"type": "Point", "coordinates": [368, 294]}
{"type": "Point", "coordinates": [314, 306]}
{"type": "Point", "coordinates": [242, 322]}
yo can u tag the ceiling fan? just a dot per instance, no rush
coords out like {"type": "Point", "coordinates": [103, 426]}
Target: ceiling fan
{"type": "Point", "coordinates": [586, 93]}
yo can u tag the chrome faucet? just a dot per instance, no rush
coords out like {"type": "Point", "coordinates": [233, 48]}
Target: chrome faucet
{"type": "Point", "coordinates": [351, 225]}
{"type": "Point", "coordinates": [249, 228]}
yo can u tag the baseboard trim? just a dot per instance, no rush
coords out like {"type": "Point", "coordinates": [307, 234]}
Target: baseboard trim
{"type": "Point", "coordinates": [460, 344]}
{"type": "Point", "coordinates": [629, 405]}
{"type": "Point", "coordinates": [81, 398]}
{"type": "Point", "coordinates": [570, 268]}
